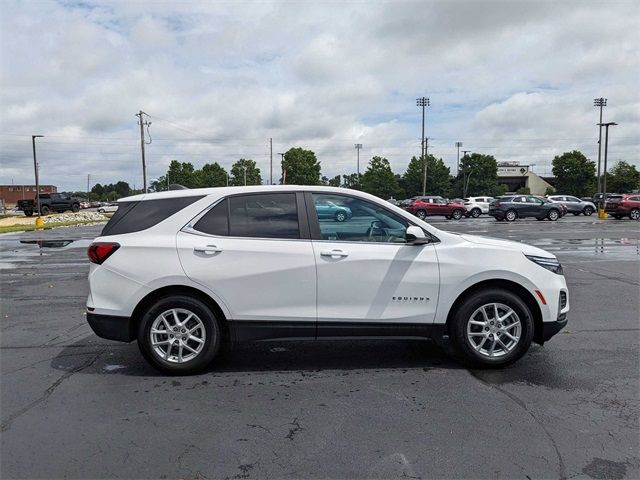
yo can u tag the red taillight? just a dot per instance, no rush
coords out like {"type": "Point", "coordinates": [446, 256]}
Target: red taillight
{"type": "Point", "coordinates": [98, 252]}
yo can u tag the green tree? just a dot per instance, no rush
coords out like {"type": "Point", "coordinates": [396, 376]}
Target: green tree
{"type": "Point", "coordinates": [300, 167]}
{"type": "Point", "coordinates": [623, 178]}
{"type": "Point", "coordinates": [575, 174]}
{"type": "Point", "coordinates": [478, 175]}
{"type": "Point", "coordinates": [438, 177]}
{"type": "Point", "coordinates": [379, 179]}
{"type": "Point", "coordinates": [182, 173]}
{"type": "Point", "coordinates": [332, 182]}
{"type": "Point", "coordinates": [351, 181]}
{"type": "Point", "coordinates": [238, 173]}
{"type": "Point", "coordinates": [211, 175]}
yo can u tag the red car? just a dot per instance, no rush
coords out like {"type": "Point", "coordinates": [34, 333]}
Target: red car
{"type": "Point", "coordinates": [627, 205]}
{"type": "Point", "coordinates": [423, 207]}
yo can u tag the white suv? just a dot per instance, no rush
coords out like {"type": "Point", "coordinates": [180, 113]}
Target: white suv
{"type": "Point", "coordinates": [476, 206]}
{"type": "Point", "coordinates": [185, 271]}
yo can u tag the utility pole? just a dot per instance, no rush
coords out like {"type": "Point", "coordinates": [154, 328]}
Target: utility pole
{"type": "Point", "coordinates": [284, 172]}
{"type": "Point", "coordinates": [358, 147]}
{"type": "Point", "coordinates": [604, 172]}
{"type": "Point", "coordinates": [599, 102]}
{"type": "Point", "coordinates": [35, 167]}
{"type": "Point", "coordinates": [88, 177]}
{"type": "Point", "coordinates": [143, 123]}
{"type": "Point", "coordinates": [271, 161]}
{"type": "Point", "coordinates": [245, 175]}
{"type": "Point", "coordinates": [458, 145]}
{"type": "Point", "coordinates": [423, 102]}
{"type": "Point", "coordinates": [424, 177]}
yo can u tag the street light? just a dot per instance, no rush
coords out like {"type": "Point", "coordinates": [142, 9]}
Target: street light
{"type": "Point", "coordinates": [606, 126]}
{"type": "Point", "coordinates": [423, 102]}
{"type": "Point", "coordinates": [458, 145]}
{"type": "Point", "coordinates": [245, 175]}
{"type": "Point", "coordinates": [39, 221]}
{"type": "Point", "coordinates": [358, 147]}
{"type": "Point", "coordinates": [599, 102]}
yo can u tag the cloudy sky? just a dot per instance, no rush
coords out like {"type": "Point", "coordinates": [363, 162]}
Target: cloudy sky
{"type": "Point", "coordinates": [514, 79]}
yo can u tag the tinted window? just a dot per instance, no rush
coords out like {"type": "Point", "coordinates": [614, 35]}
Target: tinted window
{"type": "Point", "coordinates": [264, 216]}
{"type": "Point", "coordinates": [215, 221]}
{"type": "Point", "coordinates": [518, 199]}
{"type": "Point", "coordinates": [137, 216]}
{"type": "Point", "coordinates": [350, 219]}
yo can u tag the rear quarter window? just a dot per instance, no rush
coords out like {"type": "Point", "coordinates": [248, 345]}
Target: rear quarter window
{"type": "Point", "coordinates": [137, 216]}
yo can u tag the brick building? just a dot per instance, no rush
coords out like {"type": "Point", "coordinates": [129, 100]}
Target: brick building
{"type": "Point", "coordinates": [10, 194]}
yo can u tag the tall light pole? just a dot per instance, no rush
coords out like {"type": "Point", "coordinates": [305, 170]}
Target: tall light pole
{"type": "Point", "coordinates": [604, 172]}
{"type": "Point", "coordinates": [35, 167]}
{"type": "Point", "coordinates": [284, 172]}
{"type": "Point", "coordinates": [358, 147]}
{"type": "Point", "coordinates": [458, 145]}
{"type": "Point", "coordinates": [245, 175]}
{"type": "Point", "coordinates": [423, 102]}
{"type": "Point", "coordinates": [599, 102]}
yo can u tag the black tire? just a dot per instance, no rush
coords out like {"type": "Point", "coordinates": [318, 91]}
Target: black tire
{"type": "Point", "coordinates": [340, 216]}
{"type": "Point", "coordinates": [75, 208]}
{"type": "Point", "coordinates": [45, 210]}
{"type": "Point", "coordinates": [457, 214]}
{"type": "Point", "coordinates": [101, 210]}
{"type": "Point", "coordinates": [634, 214]}
{"type": "Point", "coordinates": [588, 211]}
{"type": "Point", "coordinates": [510, 215]}
{"type": "Point", "coordinates": [421, 214]}
{"type": "Point", "coordinates": [618, 217]}
{"type": "Point", "coordinates": [462, 316]}
{"type": "Point", "coordinates": [553, 214]}
{"type": "Point", "coordinates": [28, 213]}
{"type": "Point", "coordinates": [211, 326]}
{"type": "Point", "coordinates": [476, 212]}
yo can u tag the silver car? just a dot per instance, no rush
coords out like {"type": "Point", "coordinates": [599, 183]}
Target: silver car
{"type": "Point", "coordinates": [574, 205]}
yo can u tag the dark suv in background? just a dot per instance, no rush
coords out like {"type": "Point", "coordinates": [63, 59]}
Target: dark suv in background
{"type": "Point", "coordinates": [511, 207]}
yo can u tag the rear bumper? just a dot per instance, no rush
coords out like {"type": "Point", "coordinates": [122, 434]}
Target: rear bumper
{"type": "Point", "coordinates": [111, 327]}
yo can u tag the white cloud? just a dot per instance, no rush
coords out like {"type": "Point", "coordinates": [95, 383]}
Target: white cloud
{"type": "Point", "coordinates": [515, 79]}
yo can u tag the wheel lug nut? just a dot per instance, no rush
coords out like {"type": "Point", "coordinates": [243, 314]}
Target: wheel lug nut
{"type": "Point", "coordinates": [175, 329]}
{"type": "Point", "coordinates": [171, 336]}
{"type": "Point", "coordinates": [490, 323]}
{"type": "Point", "coordinates": [183, 330]}
{"type": "Point", "coordinates": [486, 328]}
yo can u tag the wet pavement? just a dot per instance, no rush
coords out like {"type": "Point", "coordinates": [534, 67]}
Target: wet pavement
{"type": "Point", "coordinates": [73, 405]}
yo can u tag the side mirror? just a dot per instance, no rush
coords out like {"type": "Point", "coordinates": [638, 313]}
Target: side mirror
{"type": "Point", "coordinates": [415, 236]}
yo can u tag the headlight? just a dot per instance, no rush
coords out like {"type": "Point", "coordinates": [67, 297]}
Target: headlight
{"type": "Point", "coordinates": [551, 264]}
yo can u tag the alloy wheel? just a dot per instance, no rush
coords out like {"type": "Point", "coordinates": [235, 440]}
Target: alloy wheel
{"type": "Point", "coordinates": [635, 214]}
{"type": "Point", "coordinates": [177, 335]}
{"type": "Point", "coordinates": [511, 216]}
{"type": "Point", "coordinates": [421, 214]}
{"type": "Point", "coordinates": [553, 215]}
{"type": "Point", "coordinates": [340, 217]}
{"type": "Point", "coordinates": [494, 330]}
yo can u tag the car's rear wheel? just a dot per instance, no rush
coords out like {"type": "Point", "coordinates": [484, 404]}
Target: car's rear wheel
{"type": "Point", "coordinates": [475, 213]}
{"type": "Point", "coordinates": [341, 216]}
{"type": "Point", "coordinates": [421, 214]}
{"type": "Point", "coordinates": [179, 335]}
{"type": "Point", "coordinates": [510, 216]}
{"type": "Point", "coordinates": [634, 214]}
{"type": "Point", "coordinates": [553, 215]}
{"type": "Point", "coordinates": [492, 328]}
{"type": "Point", "coordinates": [588, 211]}
{"type": "Point", "coordinates": [456, 214]}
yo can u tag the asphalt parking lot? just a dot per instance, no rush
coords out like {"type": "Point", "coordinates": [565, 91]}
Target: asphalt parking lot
{"type": "Point", "coordinates": [74, 405]}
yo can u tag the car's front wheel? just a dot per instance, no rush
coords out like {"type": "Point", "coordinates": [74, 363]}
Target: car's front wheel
{"type": "Point", "coordinates": [475, 213]}
{"type": "Point", "coordinates": [634, 214]}
{"type": "Point", "coordinates": [492, 328]}
{"type": "Point", "coordinates": [75, 208]}
{"type": "Point", "coordinates": [421, 214]}
{"type": "Point", "coordinates": [179, 335]}
{"type": "Point", "coordinates": [341, 216]}
{"type": "Point", "coordinates": [553, 215]}
{"type": "Point", "coordinates": [456, 214]}
{"type": "Point", "coordinates": [588, 211]}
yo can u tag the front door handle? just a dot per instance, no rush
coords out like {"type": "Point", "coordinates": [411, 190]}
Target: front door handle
{"type": "Point", "coordinates": [334, 253]}
{"type": "Point", "coordinates": [207, 250]}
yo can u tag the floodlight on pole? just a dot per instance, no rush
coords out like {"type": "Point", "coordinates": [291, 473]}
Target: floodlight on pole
{"type": "Point", "coordinates": [601, 212]}
{"type": "Point", "coordinates": [423, 102]}
{"type": "Point", "coordinates": [600, 103]}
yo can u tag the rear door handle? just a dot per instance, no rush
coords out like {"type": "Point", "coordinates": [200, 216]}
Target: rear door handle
{"type": "Point", "coordinates": [207, 250]}
{"type": "Point", "coordinates": [334, 253]}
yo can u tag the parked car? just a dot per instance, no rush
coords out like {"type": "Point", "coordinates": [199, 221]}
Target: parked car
{"type": "Point", "coordinates": [173, 269]}
{"type": "Point", "coordinates": [476, 206]}
{"type": "Point", "coordinates": [510, 208]}
{"type": "Point", "coordinates": [49, 202]}
{"type": "Point", "coordinates": [84, 205]}
{"type": "Point", "coordinates": [574, 205]}
{"type": "Point", "coordinates": [108, 208]}
{"type": "Point", "coordinates": [597, 198]}
{"type": "Point", "coordinates": [423, 207]}
{"type": "Point", "coordinates": [627, 205]}
{"type": "Point", "coordinates": [328, 209]}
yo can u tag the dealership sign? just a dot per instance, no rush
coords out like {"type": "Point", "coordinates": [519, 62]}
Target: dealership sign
{"type": "Point", "coordinates": [513, 171]}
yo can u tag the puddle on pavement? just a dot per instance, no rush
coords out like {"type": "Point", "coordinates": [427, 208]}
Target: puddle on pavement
{"type": "Point", "coordinates": [13, 252]}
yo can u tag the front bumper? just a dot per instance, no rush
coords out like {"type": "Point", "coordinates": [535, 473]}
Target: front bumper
{"type": "Point", "coordinates": [549, 329]}
{"type": "Point", "coordinates": [111, 327]}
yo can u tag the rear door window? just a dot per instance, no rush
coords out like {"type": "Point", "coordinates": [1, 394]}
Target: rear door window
{"type": "Point", "coordinates": [215, 221]}
{"type": "Point", "coordinates": [273, 215]}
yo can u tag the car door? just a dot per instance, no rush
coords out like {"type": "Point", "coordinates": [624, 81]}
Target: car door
{"type": "Point", "coordinates": [254, 253]}
{"type": "Point", "coordinates": [573, 204]}
{"type": "Point", "coordinates": [520, 205]}
{"type": "Point", "coordinates": [367, 273]}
